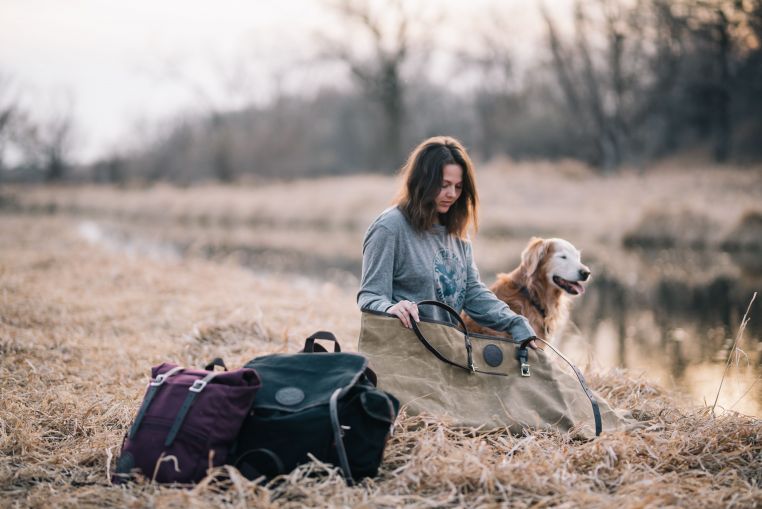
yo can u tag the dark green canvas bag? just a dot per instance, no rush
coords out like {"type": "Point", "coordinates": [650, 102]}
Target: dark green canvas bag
{"type": "Point", "coordinates": [323, 404]}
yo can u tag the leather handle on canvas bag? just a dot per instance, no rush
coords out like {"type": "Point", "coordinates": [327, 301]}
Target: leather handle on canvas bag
{"type": "Point", "coordinates": [432, 349]}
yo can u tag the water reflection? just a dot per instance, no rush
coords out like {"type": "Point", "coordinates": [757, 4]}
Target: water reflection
{"type": "Point", "coordinates": [676, 324]}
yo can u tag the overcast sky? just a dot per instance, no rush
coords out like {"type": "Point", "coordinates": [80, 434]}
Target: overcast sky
{"type": "Point", "coordinates": [109, 60]}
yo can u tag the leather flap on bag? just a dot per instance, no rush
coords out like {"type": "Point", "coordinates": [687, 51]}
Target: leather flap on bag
{"type": "Point", "coordinates": [294, 382]}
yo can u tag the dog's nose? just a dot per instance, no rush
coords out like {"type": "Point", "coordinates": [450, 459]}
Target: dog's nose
{"type": "Point", "coordinates": [584, 274]}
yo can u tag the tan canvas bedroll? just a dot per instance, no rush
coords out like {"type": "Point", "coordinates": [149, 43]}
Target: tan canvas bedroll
{"type": "Point", "coordinates": [431, 372]}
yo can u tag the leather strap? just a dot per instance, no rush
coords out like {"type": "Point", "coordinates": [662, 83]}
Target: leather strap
{"type": "Point", "coordinates": [153, 389]}
{"type": "Point", "coordinates": [522, 354]}
{"type": "Point", "coordinates": [309, 343]}
{"type": "Point", "coordinates": [466, 338]}
{"type": "Point", "coordinates": [583, 383]}
{"type": "Point", "coordinates": [246, 464]}
{"type": "Point", "coordinates": [217, 361]}
{"type": "Point", "coordinates": [431, 348]}
{"type": "Point", "coordinates": [371, 376]}
{"type": "Point", "coordinates": [333, 405]}
{"type": "Point", "coordinates": [193, 392]}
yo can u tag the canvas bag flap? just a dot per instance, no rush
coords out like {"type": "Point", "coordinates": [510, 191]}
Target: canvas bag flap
{"type": "Point", "coordinates": [294, 382]}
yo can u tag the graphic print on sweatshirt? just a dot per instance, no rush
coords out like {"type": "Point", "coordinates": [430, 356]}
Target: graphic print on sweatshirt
{"type": "Point", "coordinates": [450, 278]}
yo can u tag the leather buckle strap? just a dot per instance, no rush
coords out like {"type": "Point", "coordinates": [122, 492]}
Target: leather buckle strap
{"type": "Point", "coordinates": [522, 354]}
{"type": "Point", "coordinates": [333, 407]}
{"type": "Point", "coordinates": [470, 354]}
{"type": "Point", "coordinates": [153, 389]}
{"type": "Point", "coordinates": [193, 392]}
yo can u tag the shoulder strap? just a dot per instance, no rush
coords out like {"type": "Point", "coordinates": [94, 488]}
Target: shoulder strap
{"type": "Point", "coordinates": [193, 392]}
{"type": "Point", "coordinates": [153, 388]}
{"type": "Point", "coordinates": [588, 392]}
{"type": "Point", "coordinates": [338, 436]}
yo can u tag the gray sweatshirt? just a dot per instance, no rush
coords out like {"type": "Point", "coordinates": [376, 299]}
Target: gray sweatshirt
{"type": "Point", "coordinates": [399, 263]}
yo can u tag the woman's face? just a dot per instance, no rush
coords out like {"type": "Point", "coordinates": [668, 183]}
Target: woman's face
{"type": "Point", "coordinates": [452, 186]}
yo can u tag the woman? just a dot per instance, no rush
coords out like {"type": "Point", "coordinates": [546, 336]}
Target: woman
{"type": "Point", "coordinates": [419, 249]}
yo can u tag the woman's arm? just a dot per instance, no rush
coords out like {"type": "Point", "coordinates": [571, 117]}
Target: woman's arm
{"type": "Point", "coordinates": [486, 309]}
{"type": "Point", "coordinates": [377, 269]}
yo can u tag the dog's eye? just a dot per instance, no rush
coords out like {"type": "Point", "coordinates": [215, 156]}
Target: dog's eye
{"type": "Point", "coordinates": [563, 257]}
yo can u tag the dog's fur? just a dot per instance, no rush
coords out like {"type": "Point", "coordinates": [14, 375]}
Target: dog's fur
{"type": "Point", "coordinates": [551, 270]}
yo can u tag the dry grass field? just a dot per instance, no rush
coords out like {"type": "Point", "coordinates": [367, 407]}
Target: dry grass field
{"type": "Point", "coordinates": [81, 322]}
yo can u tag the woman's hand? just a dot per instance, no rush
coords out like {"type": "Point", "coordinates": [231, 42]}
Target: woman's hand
{"type": "Point", "coordinates": [406, 311]}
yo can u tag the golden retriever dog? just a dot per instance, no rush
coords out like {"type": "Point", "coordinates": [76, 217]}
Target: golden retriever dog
{"type": "Point", "coordinates": [550, 272]}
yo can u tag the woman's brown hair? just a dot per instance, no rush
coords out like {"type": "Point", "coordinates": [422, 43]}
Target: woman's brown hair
{"type": "Point", "coordinates": [422, 175]}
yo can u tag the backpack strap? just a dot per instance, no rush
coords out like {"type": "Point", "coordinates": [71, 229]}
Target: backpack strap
{"type": "Point", "coordinates": [311, 347]}
{"type": "Point", "coordinates": [338, 436]}
{"type": "Point", "coordinates": [193, 392]}
{"type": "Point", "coordinates": [246, 464]}
{"type": "Point", "coordinates": [153, 388]}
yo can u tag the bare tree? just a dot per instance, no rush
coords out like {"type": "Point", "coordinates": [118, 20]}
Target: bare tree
{"type": "Point", "coordinates": [616, 87]}
{"type": "Point", "coordinates": [55, 139]}
{"type": "Point", "coordinates": [498, 90]}
{"type": "Point", "coordinates": [231, 91]}
{"type": "Point", "coordinates": [715, 24]}
{"type": "Point", "coordinates": [380, 75]}
{"type": "Point", "coordinates": [10, 113]}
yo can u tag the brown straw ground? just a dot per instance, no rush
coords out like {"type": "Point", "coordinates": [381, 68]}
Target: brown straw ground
{"type": "Point", "coordinates": [80, 327]}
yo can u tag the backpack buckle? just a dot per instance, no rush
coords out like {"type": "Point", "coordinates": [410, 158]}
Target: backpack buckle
{"type": "Point", "coordinates": [160, 379]}
{"type": "Point", "coordinates": [198, 386]}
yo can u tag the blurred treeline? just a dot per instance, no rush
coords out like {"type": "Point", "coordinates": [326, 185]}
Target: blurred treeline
{"type": "Point", "coordinates": [623, 82]}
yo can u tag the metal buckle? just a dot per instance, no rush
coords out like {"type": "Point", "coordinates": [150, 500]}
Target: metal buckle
{"type": "Point", "coordinates": [160, 379]}
{"type": "Point", "coordinates": [198, 386]}
{"type": "Point", "coordinates": [525, 369]}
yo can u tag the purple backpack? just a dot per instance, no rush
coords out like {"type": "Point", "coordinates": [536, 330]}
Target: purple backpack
{"type": "Point", "coordinates": [187, 423]}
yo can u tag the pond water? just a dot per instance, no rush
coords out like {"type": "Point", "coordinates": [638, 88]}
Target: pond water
{"type": "Point", "coordinates": [670, 315]}
{"type": "Point", "coordinates": [677, 330]}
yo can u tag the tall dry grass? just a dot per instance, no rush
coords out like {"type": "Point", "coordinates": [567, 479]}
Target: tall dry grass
{"type": "Point", "coordinates": [80, 327]}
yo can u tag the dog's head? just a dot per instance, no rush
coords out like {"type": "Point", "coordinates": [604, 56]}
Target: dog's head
{"type": "Point", "coordinates": [558, 262]}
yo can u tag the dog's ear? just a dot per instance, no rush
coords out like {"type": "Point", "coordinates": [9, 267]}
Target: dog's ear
{"type": "Point", "coordinates": [533, 255]}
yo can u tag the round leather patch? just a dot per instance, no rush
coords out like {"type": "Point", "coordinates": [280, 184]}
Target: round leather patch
{"type": "Point", "coordinates": [289, 396]}
{"type": "Point", "coordinates": [493, 355]}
